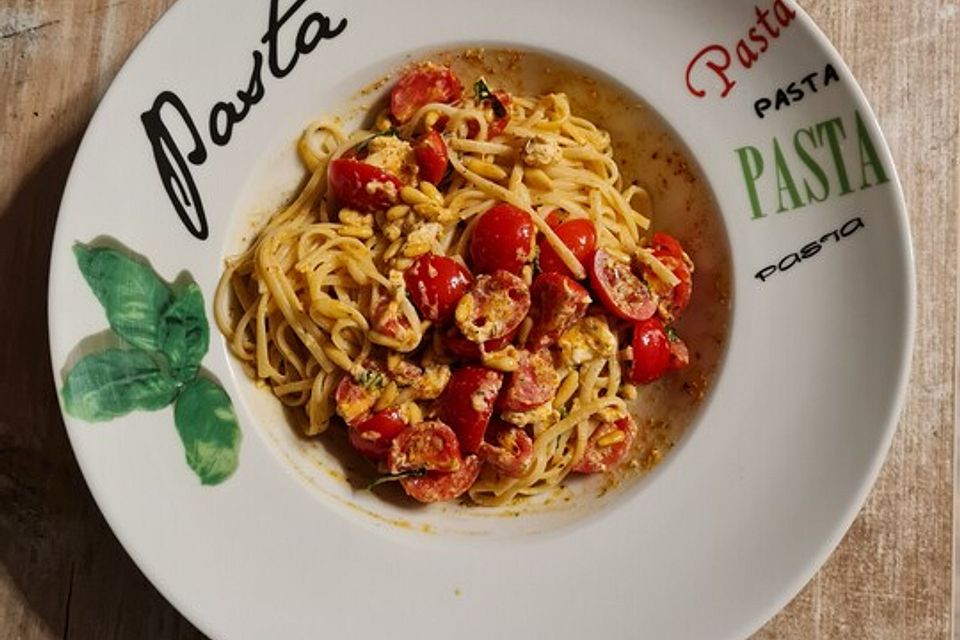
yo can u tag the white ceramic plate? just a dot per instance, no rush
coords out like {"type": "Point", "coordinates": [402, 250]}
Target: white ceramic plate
{"type": "Point", "coordinates": [713, 542]}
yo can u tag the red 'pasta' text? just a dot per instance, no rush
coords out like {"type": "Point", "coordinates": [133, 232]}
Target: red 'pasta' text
{"type": "Point", "coordinates": [717, 62]}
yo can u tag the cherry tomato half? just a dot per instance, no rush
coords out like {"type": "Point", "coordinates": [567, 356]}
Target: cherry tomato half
{"type": "Point", "coordinates": [499, 124]}
{"type": "Point", "coordinates": [579, 235]}
{"type": "Point", "coordinates": [534, 383]}
{"type": "Point", "coordinates": [467, 404]}
{"type": "Point", "coordinates": [425, 446]}
{"type": "Point", "coordinates": [493, 308]}
{"type": "Point", "coordinates": [458, 345]}
{"type": "Point", "coordinates": [507, 448]}
{"type": "Point", "coordinates": [356, 397]}
{"type": "Point", "coordinates": [651, 351]}
{"type": "Point", "coordinates": [673, 300]}
{"type": "Point", "coordinates": [430, 152]}
{"type": "Point", "coordinates": [420, 86]}
{"type": "Point", "coordinates": [503, 239]}
{"type": "Point", "coordinates": [436, 486]}
{"type": "Point", "coordinates": [362, 186]}
{"type": "Point", "coordinates": [608, 446]}
{"type": "Point", "coordinates": [557, 303]}
{"type": "Point", "coordinates": [372, 437]}
{"type": "Point", "coordinates": [621, 292]}
{"type": "Point", "coordinates": [435, 285]}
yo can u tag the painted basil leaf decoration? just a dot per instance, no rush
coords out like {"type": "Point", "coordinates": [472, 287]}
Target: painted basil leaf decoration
{"type": "Point", "coordinates": [130, 292]}
{"type": "Point", "coordinates": [107, 385]}
{"type": "Point", "coordinates": [208, 429]}
{"type": "Point", "coordinates": [184, 333]}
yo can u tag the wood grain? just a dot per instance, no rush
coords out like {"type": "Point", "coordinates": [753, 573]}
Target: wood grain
{"type": "Point", "coordinates": [63, 574]}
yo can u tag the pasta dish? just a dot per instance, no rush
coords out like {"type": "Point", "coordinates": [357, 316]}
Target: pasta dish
{"type": "Point", "coordinates": [469, 288]}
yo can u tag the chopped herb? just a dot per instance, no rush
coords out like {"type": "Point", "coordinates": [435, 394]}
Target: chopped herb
{"type": "Point", "coordinates": [483, 93]}
{"type": "Point", "coordinates": [371, 380]}
{"type": "Point", "coordinates": [671, 333]}
{"type": "Point", "coordinates": [416, 473]}
{"type": "Point", "coordinates": [362, 148]}
{"type": "Point", "coordinates": [564, 412]}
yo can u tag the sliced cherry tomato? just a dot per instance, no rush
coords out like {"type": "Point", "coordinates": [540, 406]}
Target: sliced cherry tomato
{"type": "Point", "coordinates": [372, 437]}
{"type": "Point", "coordinates": [459, 346]}
{"type": "Point", "coordinates": [608, 446]}
{"type": "Point", "coordinates": [498, 124]}
{"type": "Point", "coordinates": [679, 353]}
{"type": "Point", "coordinates": [425, 446]}
{"type": "Point", "coordinates": [436, 284]}
{"type": "Point", "coordinates": [507, 448]}
{"type": "Point", "coordinates": [496, 127]}
{"type": "Point", "coordinates": [389, 321]}
{"type": "Point", "coordinates": [621, 292]}
{"type": "Point", "coordinates": [503, 239]}
{"type": "Point", "coordinates": [579, 235]}
{"type": "Point", "coordinates": [556, 218]}
{"type": "Point", "coordinates": [436, 486]}
{"type": "Point", "coordinates": [667, 245]}
{"type": "Point", "coordinates": [534, 383]}
{"type": "Point", "coordinates": [651, 351]}
{"type": "Point", "coordinates": [558, 303]}
{"type": "Point", "coordinates": [467, 404]}
{"type": "Point", "coordinates": [420, 86]}
{"type": "Point", "coordinates": [673, 301]}
{"type": "Point", "coordinates": [431, 155]}
{"type": "Point", "coordinates": [355, 397]}
{"type": "Point", "coordinates": [494, 307]}
{"type": "Point", "coordinates": [362, 186]}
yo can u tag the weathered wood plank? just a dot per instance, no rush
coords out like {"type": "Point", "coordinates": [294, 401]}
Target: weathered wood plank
{"type": "Point", "coordinates": [62, 573]}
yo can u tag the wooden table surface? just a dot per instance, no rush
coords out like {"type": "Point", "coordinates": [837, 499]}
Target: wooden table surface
{"type": "Point", "coordinates": [62, 572]}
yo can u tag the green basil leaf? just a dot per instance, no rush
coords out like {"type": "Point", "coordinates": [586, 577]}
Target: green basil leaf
{"type": "Point", "coordinates": [209, 431]}
{"type": "Point", "coordinates": [364, 145]}
{"type": "Point", "coordinates": [133, 296]}
{"type": "Point", "coordinates": [185, 333]}
{"type": "Point", "coordinates": [416, 473]}
{"type": "Point", "coordinates": [107, 385]}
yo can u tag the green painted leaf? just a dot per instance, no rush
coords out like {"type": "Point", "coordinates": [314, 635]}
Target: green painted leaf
{"type": "Point", "coordinates": [107, 385]}
{"type": "Point", "coordinates": [133, 296]}
{"type": "Point", "coordinates": [209, 430]}
{"type": "Point", "coordinates": [185, 333]}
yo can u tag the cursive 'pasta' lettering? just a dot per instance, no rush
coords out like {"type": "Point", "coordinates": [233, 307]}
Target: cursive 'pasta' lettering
{"type": "Point", "coordinates": [173, 167]}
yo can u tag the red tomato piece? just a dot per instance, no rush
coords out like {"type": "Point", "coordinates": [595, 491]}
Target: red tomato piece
{"type": "Point", "coordinates": [503, 239]}
{"type": "Point", "coordinates": [362, 186]}
{"type": "Point", "coordinates": [467, 404]}
{"type": "Point", "coordinates": [372, 437]}
{"type": "Point", "coordinates": [508, 449]}
{"type": "Point", "coordinates": [431, 155]}
{"type": "Point", "coordinates": [534, 383]}
{"type": "Point", "coordinates": [557, 303]}
{"type": "Point", "coordinates": [459, 346]}
{"type": "Point", "coordinates": [355, 397]}
{"type": "Point", "coordinates": [420, 86]}
{"type": "Point", "coordinates": [608, 446]}
{"type": "Point", "coordinates": [579, 235]}
{"type": "Point", "coordinates": [425, 446]}
{"type": "Point", "coordinates": [494, 307]}
{"type": "Point", "coordinates": [679, 353]}
{"type": "Point", "coordinates": [441, 487]}
{"type": "Point", "coordinates": [621, 292]}
{"type": "Point", "coordinates": [673, 301]}
{"type": "Point", "coordinates": [651, 351]}
{"type": "Point", "coordinates": [435, 285]}
{"type": "Point", "coordinates": [388, 320]}
{"type": "Point", "coordinates": [498, 125]}
{"type": "Point", "coordinates": [667, 245]}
